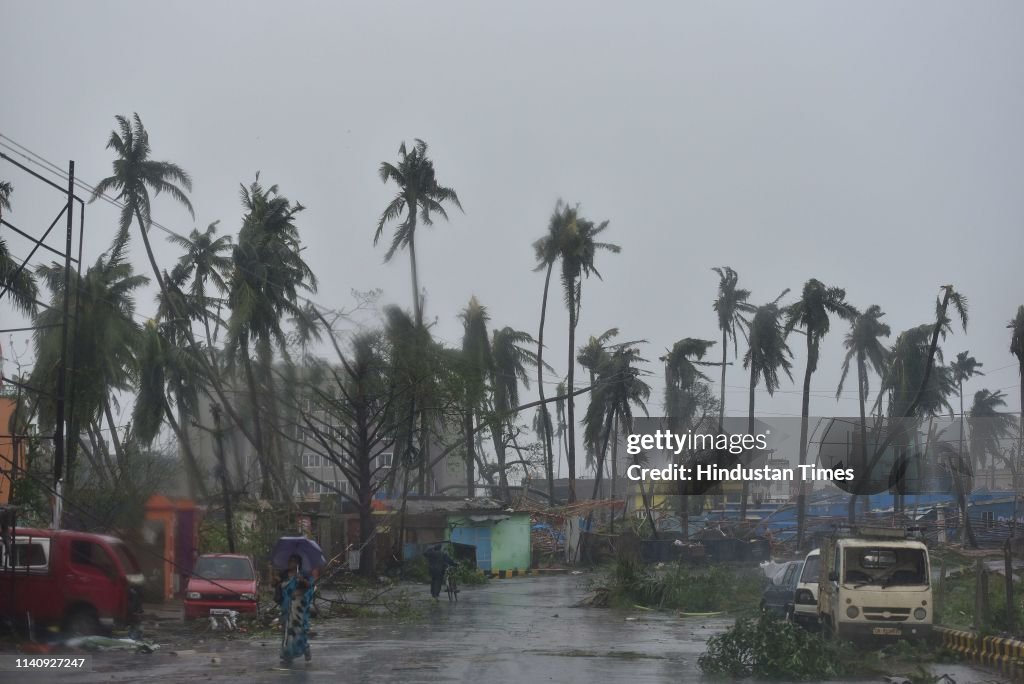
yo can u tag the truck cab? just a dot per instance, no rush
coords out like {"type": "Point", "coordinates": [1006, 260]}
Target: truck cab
{"type": "Point", "coordinates": [875, 583]}
{"type": "Point", "coordinates": [81, 582]}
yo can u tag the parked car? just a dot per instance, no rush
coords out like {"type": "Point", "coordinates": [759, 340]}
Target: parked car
{"type": "Point", "coordinates": [778, 595]}
{"type": "Point", "coordinates": [221, 581]}
{"type": "Point", "coordinates": [805, 604]}
{"type": "Point", "coordinates": [82, 582]}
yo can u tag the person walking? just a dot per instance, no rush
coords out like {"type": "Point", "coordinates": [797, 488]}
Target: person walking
{"type": "Point", "coordinates": [438, 561]}
{"type": "Point", "coordinates": [296, 592]}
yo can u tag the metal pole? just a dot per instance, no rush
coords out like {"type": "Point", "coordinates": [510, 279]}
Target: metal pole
{"type": "Point", "coordinates": [72, 446]}
{"type": "Point", "coordinates": [59, 428]}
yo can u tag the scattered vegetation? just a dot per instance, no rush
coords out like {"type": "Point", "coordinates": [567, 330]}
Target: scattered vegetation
{"type": "Point", "coordinates": [768, 647]}
{"type": "Point", "coordinates": [677, 587]}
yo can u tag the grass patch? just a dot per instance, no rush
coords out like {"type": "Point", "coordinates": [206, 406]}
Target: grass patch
{"type": "Point", "coordinates": [958, 604]}
{"type": "Point", "coordinates": [677, 587]}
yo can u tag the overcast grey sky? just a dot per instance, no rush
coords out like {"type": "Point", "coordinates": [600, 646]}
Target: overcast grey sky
{"type": "Point", "coordinates": [874, 146]}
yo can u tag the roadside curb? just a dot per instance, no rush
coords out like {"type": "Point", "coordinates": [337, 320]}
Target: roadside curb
{"type": "Point", "coordinates": [1005, 655]}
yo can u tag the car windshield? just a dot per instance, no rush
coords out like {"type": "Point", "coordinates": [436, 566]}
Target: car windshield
{"type": "Point", "coordinates": [223, 568]}
{"type": "Point", "coordinates": [812, 568]}
{"type": "Point", "coordinates": [886, 566]}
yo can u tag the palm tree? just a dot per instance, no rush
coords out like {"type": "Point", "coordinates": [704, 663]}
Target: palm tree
{"type": "Point", "coordinates": [135, 175]}
{"type": "Point", "coordinates": [418, 189]}
{"type": "Point", "coordinates": [546, 252]}
{"type": "Point", "coordinates": [590, 357]}
{"type": "Point", "coordinates": [681, 377]}
{"type": "Point", "coordinates": [509, 362]}
{"type": "Point", "coordinates": [730, 305]}
{"type": "Point", "coordinates": [910, 404]}
{"type": "Point", "coordinates": [478, 367]}
{"type": "Point", "coordinates": [105, 338]}
{"type": "Point", "coordinates": [618, 388]}
{"type": "Point", "coordinates": [267, 276]}
{"type": "Point", "coordinates": [863, 344]}
{"type": "Point", "coordinates": [768, 352]}
{"type": "Point", "coordinates": [811, 314]}
{"type": "Point", "coordinates": [576, 250]}
{"type": "Point", "coordinates": [1017, 349]}
{"type": "Point", "coordinates": [207, 260]}
{"type": "Point", "coordinates": [16, 281]}
{"type": "Point", "coordinates": [988, 427]}
{"type": "Point", "coordinates": [166, 370]}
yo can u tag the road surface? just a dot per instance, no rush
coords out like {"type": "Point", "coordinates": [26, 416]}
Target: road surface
{"type": "Point", "coordinates": [512, 630]}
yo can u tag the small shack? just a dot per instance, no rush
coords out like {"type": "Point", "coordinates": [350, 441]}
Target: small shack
{"type": "Point", "coordinates": [494, 536]}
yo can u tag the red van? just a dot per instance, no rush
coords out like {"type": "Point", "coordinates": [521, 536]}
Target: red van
{"type": "Point", "coordinates": [221, 581]}
{"type": "Point", "coordinates": [80, 581]}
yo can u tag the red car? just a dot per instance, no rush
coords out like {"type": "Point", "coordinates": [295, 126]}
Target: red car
{"type": "Point", "coordinates": [221, 581]}
{"type": "Point", "coordinates": [80, 581]}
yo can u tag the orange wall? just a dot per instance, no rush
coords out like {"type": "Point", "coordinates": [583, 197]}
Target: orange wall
{"type": "Point", "coordinates": [7, 456]}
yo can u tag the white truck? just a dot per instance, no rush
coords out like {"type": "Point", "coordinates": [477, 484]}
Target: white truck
{"type": "Point", "coordinates": [875, 583]}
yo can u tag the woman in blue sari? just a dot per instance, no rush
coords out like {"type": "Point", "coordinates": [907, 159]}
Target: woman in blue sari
{"type": "Point", "coordinates": [297, 590]}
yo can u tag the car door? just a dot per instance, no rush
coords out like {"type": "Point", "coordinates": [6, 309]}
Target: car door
{"type": "Point", "coordinates": [91, 577]}
{"type": "Point", "coordinates": [789, 585]}
{"type": "Point", "coordinates": [774, 593]}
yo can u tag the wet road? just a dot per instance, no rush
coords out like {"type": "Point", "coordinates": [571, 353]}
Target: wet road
{"type": "Point", "coordinates": [514, 630]}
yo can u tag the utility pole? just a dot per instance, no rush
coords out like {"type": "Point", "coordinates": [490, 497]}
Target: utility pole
{"type": "Point", "coordinates": [60, 429]}
{"type": "Point", "coordinates": [222, 467]}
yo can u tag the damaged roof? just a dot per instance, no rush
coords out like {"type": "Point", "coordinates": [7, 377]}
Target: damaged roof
{"type": "Point", "coordinates": [415, 505]}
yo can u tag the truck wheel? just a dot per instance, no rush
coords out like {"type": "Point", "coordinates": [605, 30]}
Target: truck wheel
{"type": "Point", "coordinates": [82, 622]}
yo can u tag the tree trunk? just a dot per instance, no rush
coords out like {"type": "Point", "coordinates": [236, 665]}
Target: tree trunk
{"type": "Point", "coordinates": [599, 470]}
{"type": "Point", "coordinates": [266, 484]}
{"type": "Point", "coordinates": [545, 416]}
{"type": "Point", "coordinates": [499, 450]}
{"type": "Point", "coordinates": [615, 474]}
{"type": "Point", "coordinates": [424, 454]}
{"type": "Point", "coordinates": [805, 411]}
{"type": "Point", "coordinates": [866, 476]}
{"type": "Point", "coordinates": [367, 525]}
{"type": "Point", "coordinates": [721, 391]}
{"type": "Point", "coordinates": [572, 403]}
{"type": "Point", "coordinates": [417, 309]}
{"type": "Point", "coordinates": [114, 437]}
{"type": "Point", "coordinates": [750, 430]}
{"type": "Point", "coordinates": [467, 424]}
{"type": "Point", "coordinates": [192, 471]}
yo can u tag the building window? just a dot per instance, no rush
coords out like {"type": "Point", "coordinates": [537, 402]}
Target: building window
{"type": "Point", "coordinates": [989, 519]}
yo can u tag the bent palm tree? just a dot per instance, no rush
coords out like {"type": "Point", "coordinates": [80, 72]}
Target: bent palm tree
{"type": "Point", "coordinates": [989, 426]}
{"type": "Point", "coordinates": [546, 251]}
{"type": "Point", "coordinates": [1017, 349]}
{"type": "Point", "coordinates": [207, 260]}
{"type": "Point", "coordinates": [105, 334]}
{"type": "Point", "coordinates": [768, 352]}
{"type": "Point", "coordinates": [478, 367]}
{"type": "Point", "coordinates": [264, 287]}
{"type": "Point", "coordinates": [509, 362]}
{"type": "Point", "coordinates": [811, 313]}
{"type": "Point", "coordinates": [730, 305]}
{"type": "Point", "coordinates": [863, 345]}
{"type": "Point", "coordinates": [576, 250]}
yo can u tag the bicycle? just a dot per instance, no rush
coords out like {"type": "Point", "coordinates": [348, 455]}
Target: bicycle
{"type": "Point", "coordinates": [449, 584]}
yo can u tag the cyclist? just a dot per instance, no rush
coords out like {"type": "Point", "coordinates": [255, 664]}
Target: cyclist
{"type": "Point", "coordinates": [438, 561]}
